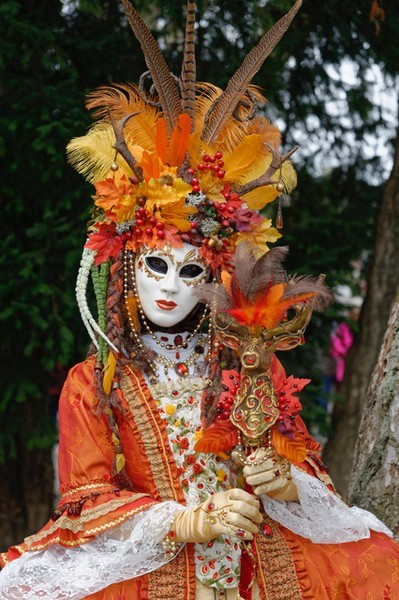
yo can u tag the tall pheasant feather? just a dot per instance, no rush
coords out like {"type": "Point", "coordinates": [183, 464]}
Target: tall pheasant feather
{"type": "Point", "coordinates": [223, 108]}
{"type": "Point", "coordinates": [188, 72]}
{"type": "Point", "coordinates": [161, 75]}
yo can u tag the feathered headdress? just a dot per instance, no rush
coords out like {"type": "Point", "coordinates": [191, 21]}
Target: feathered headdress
{"type": "Point", "coordinates": [188, 163]}
{"type": "Point", "coordinates": [184, 162]}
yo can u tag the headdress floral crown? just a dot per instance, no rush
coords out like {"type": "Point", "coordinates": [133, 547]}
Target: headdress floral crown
{"type": "Point", "coordinates": [186, 162]}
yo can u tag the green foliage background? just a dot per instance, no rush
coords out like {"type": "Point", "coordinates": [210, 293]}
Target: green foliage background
{"type": "Point", "coordinates": [52, 53]}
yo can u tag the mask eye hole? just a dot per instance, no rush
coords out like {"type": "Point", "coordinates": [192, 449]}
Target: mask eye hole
{"type": "Point", "coordinates": [229, 341]}
{"type": "Point", "coordinates": [191, 271]}
{"type": "Point", "coordinates": [156, 264]}
{"type": "Point", "coordinates": [287, 343]}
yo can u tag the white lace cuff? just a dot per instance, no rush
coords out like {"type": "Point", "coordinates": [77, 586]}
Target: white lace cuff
{"type": "Point", "coordinates": [133, 548]}
{"type": "Point", "coordinates": [320, 515]}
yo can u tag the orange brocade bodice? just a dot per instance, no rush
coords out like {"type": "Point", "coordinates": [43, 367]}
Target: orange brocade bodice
{"type": "Point", "coordinates": [288, 567]}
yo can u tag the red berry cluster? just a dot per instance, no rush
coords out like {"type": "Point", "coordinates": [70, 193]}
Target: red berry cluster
{"type": "Point", "coordinates": [146, 224]}
{"type": "Point", "coordinates": [226, 400]}
{"type": "Point", "coordinates": [288, 402]}
{"type": "Point", "coordinates": [225, 211]}
{"type": "Point", "coordinates": [213, 163]}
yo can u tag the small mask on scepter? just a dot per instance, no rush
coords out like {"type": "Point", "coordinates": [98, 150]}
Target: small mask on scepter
{"type": "Point", "coordinates": [256, 311]}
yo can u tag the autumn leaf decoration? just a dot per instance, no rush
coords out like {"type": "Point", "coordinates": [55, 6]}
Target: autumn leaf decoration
{"type": "Point", "coordinates": [287, 440]}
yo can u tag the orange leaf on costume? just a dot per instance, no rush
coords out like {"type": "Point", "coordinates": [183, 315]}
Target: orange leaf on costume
{"type": "Point", "coordinates": [109, 193]}
{"type": "Point", "coordinates": [218, 438]}
{"type": "Point", "coordinates": [294, 450]}
{"type": "Point", "coordinates": [176, 213]}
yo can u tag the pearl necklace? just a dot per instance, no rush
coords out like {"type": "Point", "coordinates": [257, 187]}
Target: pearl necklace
{"type": "Point", "coordinates": [129, 269]}
{"type": "Point", "coordinates": [182, 368]}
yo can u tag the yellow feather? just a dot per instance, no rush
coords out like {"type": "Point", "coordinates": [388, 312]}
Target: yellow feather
{"type": "Point", "coordinates": [119, 462]}
{"type": "Point", "coordinates": [108, 373]}
{"type": "Point", "coordinates": [289, 176]}
{"type": "Point", "coordinates": [241, 160]}
{"type": "Point", "coordinates": [92, 154]}
{"type": "Point", "coordinates": [261, 196]}
{"type": "Point", "coordinates": [121, 101]}
{"type": "Point", "coordinates": [131, 303]}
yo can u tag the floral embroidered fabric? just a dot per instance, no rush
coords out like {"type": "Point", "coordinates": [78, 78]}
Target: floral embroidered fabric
{"type": "Point", "coordinates": [218, 562]}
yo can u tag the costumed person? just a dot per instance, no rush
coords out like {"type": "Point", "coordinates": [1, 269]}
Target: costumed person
{"type": "Point", "coordinates": [186, 471]}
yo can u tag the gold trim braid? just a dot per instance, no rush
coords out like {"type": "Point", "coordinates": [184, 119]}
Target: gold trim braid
{"type": "Point", "coordinates": [278, 579]}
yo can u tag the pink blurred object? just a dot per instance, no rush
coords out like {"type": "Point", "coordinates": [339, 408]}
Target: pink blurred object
{"type": "Point", "coordinates": [341, 341]}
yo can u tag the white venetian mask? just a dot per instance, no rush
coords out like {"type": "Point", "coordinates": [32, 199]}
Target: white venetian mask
{"type": "Point", "coordinates": [165, 282]}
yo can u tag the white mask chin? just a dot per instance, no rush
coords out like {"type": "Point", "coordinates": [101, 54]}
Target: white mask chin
{"type": "Point", "coordinates": [165, 282]}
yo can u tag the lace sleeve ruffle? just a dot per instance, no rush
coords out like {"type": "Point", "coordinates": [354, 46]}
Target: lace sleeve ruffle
{"type": "Point", "coordinates": [320, 515]}
{"type": "Point", "coordinates": [132, 549]}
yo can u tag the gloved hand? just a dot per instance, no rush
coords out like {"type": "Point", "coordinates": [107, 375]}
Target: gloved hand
{"type": "Point", "coordinates": [269, 475]}
{"type": "Point", "coordinates": [234, 512]}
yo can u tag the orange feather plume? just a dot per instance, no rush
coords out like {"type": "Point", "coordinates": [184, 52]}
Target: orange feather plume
{"type": "Point", "coordinates": [266, 309]}
{"type": "Point", "coordinates": [179, 140]}
{"type": "Point", "coordinates": [162, 140]}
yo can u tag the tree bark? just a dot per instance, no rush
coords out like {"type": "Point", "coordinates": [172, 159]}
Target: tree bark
{"type": "Point", "coordinates": [381, 288]}
{"type": "Point", "coordinates": [375, 472]}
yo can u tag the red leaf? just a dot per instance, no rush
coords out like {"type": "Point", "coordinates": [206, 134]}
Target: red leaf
{"type": "Point", "coordinates": [219, 437]}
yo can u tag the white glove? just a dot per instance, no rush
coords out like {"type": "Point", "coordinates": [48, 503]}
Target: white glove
{"type": "Point", "coordinates": [234, 512]}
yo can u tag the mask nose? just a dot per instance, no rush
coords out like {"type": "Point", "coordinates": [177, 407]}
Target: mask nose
{"type": "Point", "coordinates": [169, 284]}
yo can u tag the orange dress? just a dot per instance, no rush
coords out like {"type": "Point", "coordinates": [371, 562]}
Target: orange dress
{"type": "Point", "coordinates": [286, 565]}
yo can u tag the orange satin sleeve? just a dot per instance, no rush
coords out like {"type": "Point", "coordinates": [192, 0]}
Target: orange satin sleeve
{"type": "Point", "coordinates": [86, 450]}
{"type": "Point", "coordinates": [91, 501]}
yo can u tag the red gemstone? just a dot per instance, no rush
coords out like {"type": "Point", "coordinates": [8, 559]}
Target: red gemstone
{"type": "Point", "coordinates": [178, 340]}
{"type": "Point", "coordinates": [181, 369]}
{"type": "Point", "coordinates": [190, 171]}
{"type": "Point", "coordinates": [218, 154]}
{"type": "Point", "coordinates": [211, 506]}
{"type": "Point", "coordinates": [267, 530]}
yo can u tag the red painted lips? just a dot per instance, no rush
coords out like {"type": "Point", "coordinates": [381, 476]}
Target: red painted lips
{"type": "Point", "coordinates": [166, 304]}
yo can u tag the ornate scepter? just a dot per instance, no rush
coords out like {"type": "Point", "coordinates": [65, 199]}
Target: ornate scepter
{"type": "Point", "coordinates": [257, 311]}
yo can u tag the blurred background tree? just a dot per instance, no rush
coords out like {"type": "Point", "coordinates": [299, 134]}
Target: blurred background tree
{"type": "Point", "coordinates": [323, 85]}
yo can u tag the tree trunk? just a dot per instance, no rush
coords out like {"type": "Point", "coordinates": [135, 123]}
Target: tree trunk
{"type": "Point", "coordinates": [381, 288]}
{"type": "Point", "coordinates": [375, 473]}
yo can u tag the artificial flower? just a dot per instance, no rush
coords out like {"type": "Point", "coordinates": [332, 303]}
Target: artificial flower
{"type": "Point", "coordinates": [105, 241]}
{"type": "Point", "coordinates": [111, 191]}
{"type": "Point", "coordinates": [259, 237]}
